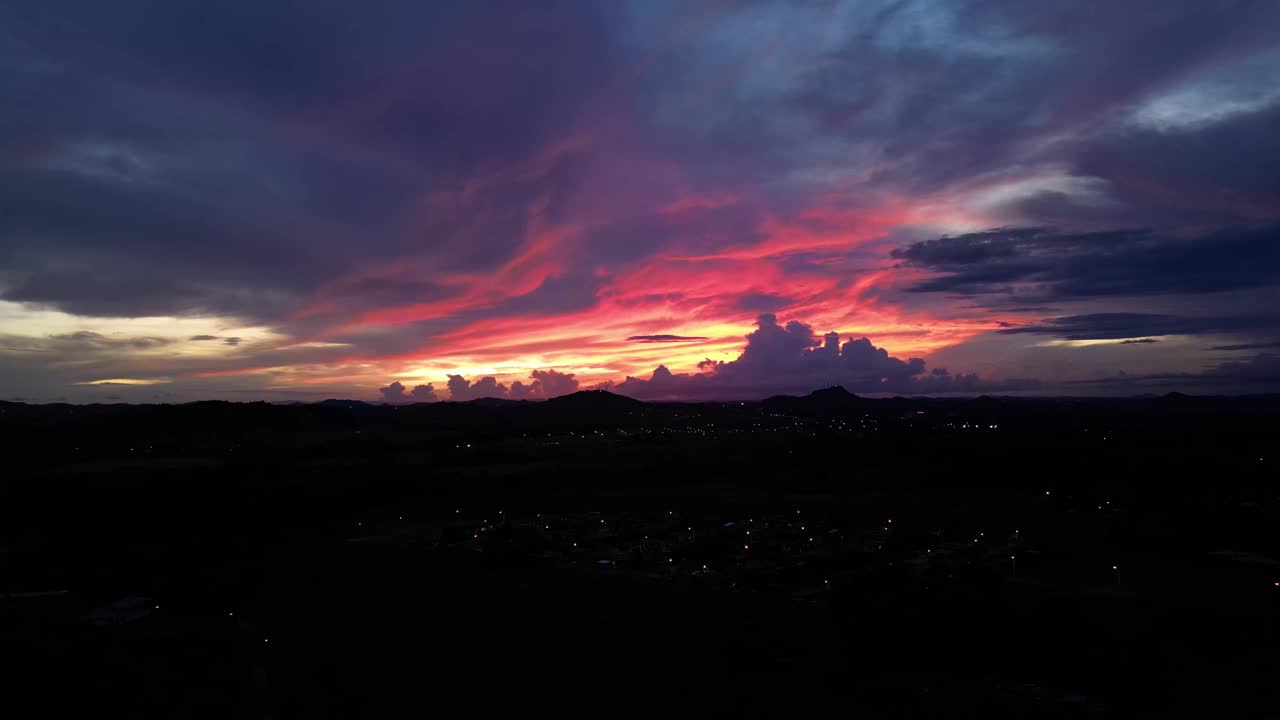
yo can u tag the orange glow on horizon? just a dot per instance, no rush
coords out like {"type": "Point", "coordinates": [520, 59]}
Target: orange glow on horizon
{"type": "Point", "coordinates": [711, 297]}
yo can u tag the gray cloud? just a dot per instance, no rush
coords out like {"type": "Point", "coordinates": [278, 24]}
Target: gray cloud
{"type": "Point", "coordinates": [1048, 265]}
{"type": "Point", "coordinates": [86, 340]}
{"type": "Point", "coordinates": [1116, 326]}
{"type": "Point", "coordinates": [1258, 374]}
{"type": "Point", "coordinates": [664, 338]}
{"type": "Point", "coordinates": [760, 303]}
{"type": "Point", "coordinates": [1245, 346]}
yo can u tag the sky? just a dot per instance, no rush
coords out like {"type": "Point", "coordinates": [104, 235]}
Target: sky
{"type": "Point", "coordinates": [697, 200]}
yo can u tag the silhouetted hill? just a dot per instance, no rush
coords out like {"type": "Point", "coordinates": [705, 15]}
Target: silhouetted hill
{"type": "Point", "coordinates": [346, 404]}
{"type": "Point", "coordinates": [985, 403]}
{"type": "Point", "coordinates": [826, 400]}
{"type": "Point", "coordinates": [495, 402]}
{"type": "Point", "coordinates": [596, 401]}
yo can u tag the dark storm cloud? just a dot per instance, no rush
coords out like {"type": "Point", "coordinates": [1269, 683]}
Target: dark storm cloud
{"type": "Point", "coordinates": [1057, 266]}
{"type": "Point", "coordinates": [664, 338]}
{"type": "Point", "coordinates": [1140, 341]}
{"type": "Point", "coordinates": [1116, 326]}
{"type": "Point", "coordinates": [202, 338]}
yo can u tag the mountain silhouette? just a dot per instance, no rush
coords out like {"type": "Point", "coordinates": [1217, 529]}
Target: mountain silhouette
{"type": "Point", "coordinates": [826, 400]}
{"type": "Point", "coordinates": [601, 401]}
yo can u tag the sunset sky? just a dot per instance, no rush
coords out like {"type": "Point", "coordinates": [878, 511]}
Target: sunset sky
{"type": "Point", "coordinates": [675, 200]}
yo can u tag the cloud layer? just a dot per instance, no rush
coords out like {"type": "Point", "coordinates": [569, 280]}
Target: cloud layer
{"type": "Point", "coordinates": [309, 200]}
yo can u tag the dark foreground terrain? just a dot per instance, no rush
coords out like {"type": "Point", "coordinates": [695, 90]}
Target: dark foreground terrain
{"type": "Point", "coordinates": [592, 555]}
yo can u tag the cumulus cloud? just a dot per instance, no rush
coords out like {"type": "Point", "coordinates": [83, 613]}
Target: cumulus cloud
{"type": "Point", "coordinates": [543, 384]}
{"type": "Point", "coordinates": [424, 393]}
{"type": "Point", "coordinates": [394, 393]}
{"type": "Point", "coordinates": [397, 393]}
{"type": "Point", "coordinates": [549, 383]}
{"type": "Point", "coordinates": [486, 387]}
{"type": "Point", "coordinates": [790, 358]}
